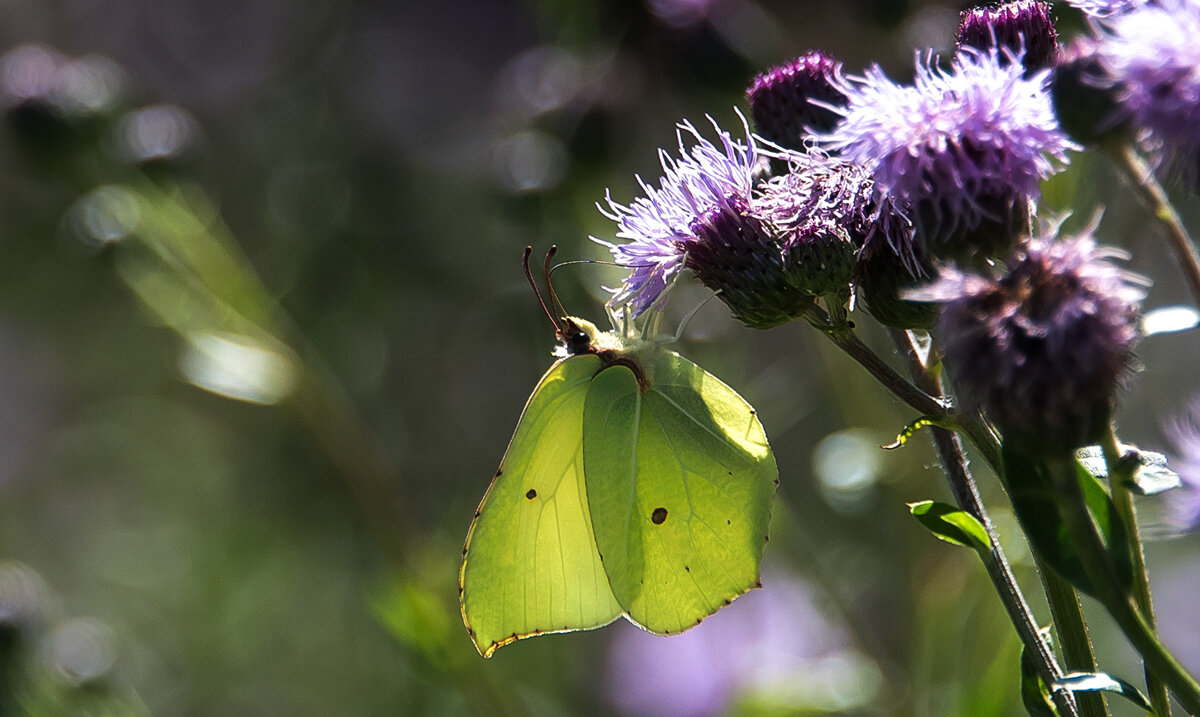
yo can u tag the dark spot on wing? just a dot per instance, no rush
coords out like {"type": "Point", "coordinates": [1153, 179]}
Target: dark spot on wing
{"type": "Point", "coordinates": [498, 472]}
{"type": "Point", "coordinates": [758, 585]}
{"type": "Point", "coordinates": [699, 620]}
{"type": "Point", "coordinates": [753, 412]}
{"type": "Point", "coordinates": [477, 513]}
{"type": "Point", "coordinates": [531, 494]}
{"type": "Point", "coordinates": [728, 522]}
{"type": "Point", "coordinates": [659, 516]}
{"type": "Point", "coordinates": [728, 601]}
{"type": "Point", "coordinates": [687, 568]}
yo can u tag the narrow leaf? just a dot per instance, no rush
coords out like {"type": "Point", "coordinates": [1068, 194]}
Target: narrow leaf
{"type": "Point", "coordinates": [1039, 510]}
{"type": "Point", "coordinates": [1103, 682]}
{"type": "Point", "coordinates": [915, 425]}
{"type": "Point", "coordinates": [952, 525]}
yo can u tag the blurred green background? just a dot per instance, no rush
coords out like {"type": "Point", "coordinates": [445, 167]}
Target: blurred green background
{"type": "Point", "coordinates": [264, 337]}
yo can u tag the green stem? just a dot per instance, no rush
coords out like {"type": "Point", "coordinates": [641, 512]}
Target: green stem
{"type": "Point", "coordinates": [1120, 477]}
{"type": "Point", "coordinates": [1067, 614]}
{"type": "Point", "coordinates": [966, 495]}
{"type": "Point", "coordinates": [844, 338]}
{"type": "Point", "coordinates": [1152, 193]}
{"type": "Point", "coordinates": [1102, 574]}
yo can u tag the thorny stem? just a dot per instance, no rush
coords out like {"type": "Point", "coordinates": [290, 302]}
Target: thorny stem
{"type": "Point", "coordinates": [1152, 193]}
{"type": "Point", "coordinates": [1120, 476]}
{"type": "Point", "coordinates": [966, 495]}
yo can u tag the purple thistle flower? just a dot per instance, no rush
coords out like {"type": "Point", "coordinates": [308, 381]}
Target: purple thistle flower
{"type": "Point", "coordinates": [1024, 27]}
{"type": "Point", "coordinates": [1105, 8]}
{"type": "Point", "coordinates": [705, 180]}
{"type": "Point", "coordinates": [782, 99]}
{"type": "Point", "coordinates": [966, 149]}
{"type": "Point", "coordinates": [1152, 61]}
{"type": "Point", "coordinates": [1043, 349]}
{"type": "Point", "coordinates": [1183, 504]}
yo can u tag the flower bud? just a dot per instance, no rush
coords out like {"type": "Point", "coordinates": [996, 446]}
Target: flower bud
{"type": "Point", "coordinates": [1022, 28]}
{"type": "Point", "coordinates": [781, 99]}
{"type": "Point", "coordinates": [735, 254]}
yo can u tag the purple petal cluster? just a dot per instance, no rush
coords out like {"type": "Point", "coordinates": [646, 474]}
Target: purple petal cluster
{"type": "Point", "coordinates": [961, 147]}
{"type": "Point", "coordinates": [1151, 59]}
{"type": "Point", "coordinates": [1183, 505]}
{"type": "Point", "coordinates": [1105, 8]}
{"type": "Point", "coordinates": [1043, 349]}
{"type": "Point", "coordinates": [704, 178]}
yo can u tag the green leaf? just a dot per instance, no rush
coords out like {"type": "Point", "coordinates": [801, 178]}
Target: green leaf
{"type": "Point", "coordinates": [1103, 682]}
{"type": "Point", "coordinates": [915, 425]}
{"type": "Point", "coordinates": [1035, 693]}
{"type": "Point", "coordinates": [952, 525]}
{"type": "Point", "coordinates": [1151, 475]}
{"type": "Point", "coordinates": [1040, 511]}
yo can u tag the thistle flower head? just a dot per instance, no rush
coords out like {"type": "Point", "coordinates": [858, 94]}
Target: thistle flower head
{"type": "Point", "coordinates": [706, 179]}
{"type": "Point", "coordinates": [965, 149]}
{"type": "Point", "coordinates": [1183, 505]}
{"type": "Point", "coordinates": [1105, 8]}
{"type": "Point", "coordinates": [1152, 61]}
{"type": "Point", "coordinates": [782, 99]}
{"type": "Point", "coordinates": [1043, 349]}
{"type": "Point", "coordinates": [1023, 27]}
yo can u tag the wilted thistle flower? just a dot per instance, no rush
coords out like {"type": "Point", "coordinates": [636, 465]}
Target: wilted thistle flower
{"type": "Point", "coordinates": [964, 149]}
{"type": "Point", "coordinates": [1183, 504]}
{"type": "Point", "coordinates": [783, 100]}
{"type": "Point", "coordinates": [1024, 27]}
{"type": "Point", "coordinates": [1151, 59]}
{"type": "Point", "coordinates": [1043, 349]}
{"type": "Point", "coordinates": [700, 218]}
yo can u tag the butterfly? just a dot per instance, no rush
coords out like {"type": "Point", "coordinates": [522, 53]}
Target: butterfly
{"type": "Point", "coordinates": [636, 485]}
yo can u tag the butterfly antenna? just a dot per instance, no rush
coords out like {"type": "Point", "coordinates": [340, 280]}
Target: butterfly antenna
{"type": "Point", "coordinates": [555, 321]}
{"type": "Point", "coordinates": [555, 304]}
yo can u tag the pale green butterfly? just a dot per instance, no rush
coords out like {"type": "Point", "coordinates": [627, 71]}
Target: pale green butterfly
{"type": "Point", "coordinates": [636, 484]}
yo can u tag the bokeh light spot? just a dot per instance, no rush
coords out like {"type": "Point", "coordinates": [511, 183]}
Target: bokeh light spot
{"type": "Point", "coordinates": [847, 464]}
{"type": "Point", "coordinates": [238, 367]}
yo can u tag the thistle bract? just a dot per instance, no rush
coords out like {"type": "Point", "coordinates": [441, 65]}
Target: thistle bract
{"type": "Point", "coordinates": [789, 101]}
{"type": "Point", "coordinates": [1024, 28]}
{"type": "Point", "coordinates": [1043, 349]}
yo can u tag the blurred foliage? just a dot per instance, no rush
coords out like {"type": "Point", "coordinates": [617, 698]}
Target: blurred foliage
{"type": "Point", "coordinates": [318, 209]}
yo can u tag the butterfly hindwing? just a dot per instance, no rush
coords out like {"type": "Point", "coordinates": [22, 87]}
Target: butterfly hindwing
{"type": "Point", "coordinates": [530, 564]}
{"type": "Point", "coordinates": [679, 481]}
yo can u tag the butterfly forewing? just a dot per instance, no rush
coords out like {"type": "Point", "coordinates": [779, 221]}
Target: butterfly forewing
{"type": "Point", "coordinates": [679, 480]}
{"type": "Point", "coordinates": [530, 564]}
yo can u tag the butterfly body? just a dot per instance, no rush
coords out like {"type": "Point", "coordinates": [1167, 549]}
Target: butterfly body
{"type": "Point", "coordinates": [636, 484]}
